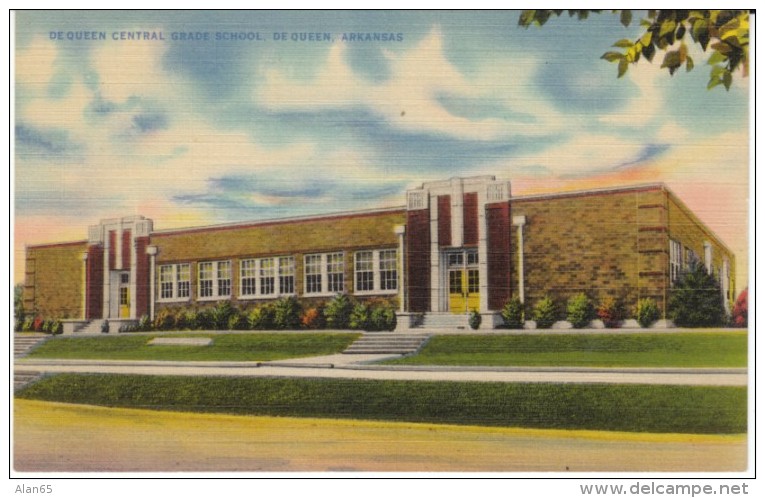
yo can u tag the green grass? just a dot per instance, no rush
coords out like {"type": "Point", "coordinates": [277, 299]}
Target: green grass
{"type": "Point", "coordinates": [703, 349]}
{"type": "Point", "coordinates": [225, 347]}
{"type": "Point", "coordinates": [616, 407]}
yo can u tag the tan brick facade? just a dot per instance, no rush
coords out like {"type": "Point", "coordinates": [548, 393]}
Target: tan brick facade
{"type": "Point", "coordinates": [605, 243]}
{"type": "Point", "coordinates": [54, 280]}
{"type": "Point", "coordinates": [346, 234]}
{"type": "Point", "coordinates": [610, 243]}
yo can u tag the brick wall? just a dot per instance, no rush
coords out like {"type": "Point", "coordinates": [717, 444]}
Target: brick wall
{"type": "Point", "coordinates": [295, 238]}
{"type": "Point", "coordinates": [53, 286]}
{"type": "Point", "coordinates": [599, 243]}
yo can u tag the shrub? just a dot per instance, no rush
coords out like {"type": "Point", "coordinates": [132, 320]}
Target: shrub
{"type": "Point", "coordinates": [383, 317]}
{"type": "Point", "coordinates": [313, 318]}
{"type": "Point", "coordinates": [46, 326]}
{"type": "Point", "coordinates": [144, 324]}
{"type": "Point", "coordinates": [611, 312]}
{"type": "Point", "coordinates": [512, 314]}
{"type": "Point", "coordinates": [165, 320]}
{"type": "Point", "coordinates": [37, 324]}
{"type": "Point", "coordinates": [57, 328]}
{"type": "Point", "coordinates": [696, 300]}
{"type": "Point", "coordinates": [647, 312]}
{"type": "Point", "coordinates": [287, 313]}
{"type": "Point", "coordinates": [183, 319]}
{"type": "Point", "coordinates": [740, 316]}
{"type": "Point", "coordinates": [338, 312]}
{"type": "Point", "coordinates": [474, 320]}
{"type": "Point", "coordinates": [29, 324]}
{"type": "Point", "coordinates": [360, 317]}
{"type": "Point", "coordinates": [261, 317]}
{"type": "Point", "coordinates": [545, 313]}
{"type": "Point", "coordinates": [205, 319]}
{"type": "Point", "coordinates": [237, 322]}
{"type": "Point", "coordinates": [221, 313]}
{"type": "Point", "coordinates": [579, 310]}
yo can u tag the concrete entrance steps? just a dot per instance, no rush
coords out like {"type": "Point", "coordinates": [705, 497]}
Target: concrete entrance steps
{"type": "Point", "coordinates": [444, 321]}
{"type": "Point", "coordinates": [387, 343]}
{"type": "Point", "coordinates": [24, 343]}
{"type": "Point", "coordinates": [22, 379]}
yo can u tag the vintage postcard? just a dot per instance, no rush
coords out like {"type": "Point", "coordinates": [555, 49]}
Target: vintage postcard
{"type": "Point", "coordinates": [381, 241]}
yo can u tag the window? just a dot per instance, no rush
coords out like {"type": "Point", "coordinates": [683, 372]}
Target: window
{"type": "Point", "coordinates": [324, 273]}
{"type": "Point", "coordinates": [375, 271]}
{"type": "Point", "coordinates": [214, 279]}
{"type": "Point", "coordinates": [166, 282]}
{"type": "Point", "coordinates": [675, 260]}
{"type": "Point", "coordinates": [313, 274]}
{"type": "Point", "coordinates": [335, 272]}
{"type": "Point", "coordinates": [267, 277]}
{"type": "Point", "coordinates": [259, 277]}
{"type": "Point", "coordinates": [174, 282]}
{"type": "Point", "coordinates": [365, 274]}
{"type": "Point", "coordinates": [248, 277]}
{"type": "Point", "coordinates": [287, 275]}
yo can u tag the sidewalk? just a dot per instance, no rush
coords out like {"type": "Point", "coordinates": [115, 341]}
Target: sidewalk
{"type": "Point", "coordinates": [362, 367]}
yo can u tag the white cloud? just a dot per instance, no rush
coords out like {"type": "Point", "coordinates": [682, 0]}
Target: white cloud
{"type": "Point", "coordinates": [408, 98]}
{"type": "Point", "coordinates": [583, 152]}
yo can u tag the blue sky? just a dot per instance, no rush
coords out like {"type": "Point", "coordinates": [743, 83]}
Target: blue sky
{"type": "Point", "coordinates": [208, 131]}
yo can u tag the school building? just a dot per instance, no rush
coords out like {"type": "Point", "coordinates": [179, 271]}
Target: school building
{"type": "Point", "coordinates": [457, 245]}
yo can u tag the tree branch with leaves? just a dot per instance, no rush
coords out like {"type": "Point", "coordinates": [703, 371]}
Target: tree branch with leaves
{"type": "Point", "coordinates": [724, 33]}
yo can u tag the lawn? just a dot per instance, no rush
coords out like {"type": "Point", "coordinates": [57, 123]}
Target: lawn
{"type": "Point", "coordinates": [225, 347]}
{"type": "Point", "coordinates": [623, 349]}
{"type": "Point", "coordinates": [615, 407]}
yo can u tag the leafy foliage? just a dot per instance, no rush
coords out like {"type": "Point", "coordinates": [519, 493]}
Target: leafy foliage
{"type": "Point", "coordinates": [261, 317]}
{"type": "Point", "coordinates": [579, 310]}
{"type": "Point", "coordinates": [647, 312]}
{"type": "Point", "coordinates": [221, 313]}
{"type": "Point", "coordinates": [611, 312]}
{"type": "Point", "coordinates": [724, 32]}
{"type": "Point", "coordinates": [512, 314]}
{"type": "Point", "coordinates": [165, 320]}
{"type": "Point", "coordinates": [741, 310]}
{"type": "Point", "coordinates": [338, 312]}
{"type": "Point", "coordinates": [545, 313]}
{"type": "Point", "coordinates": [313, 318]}
{"type": "Point", "coordinates": [359, 319]}
{"type": "Point", "coordinates": [474, 320]}
{"type": "Point", "coordinates": [696, 300]}
{"type": "Point", "coordinates": [287, 314]}
{"type": "Point", "coordinates": [382, 318]}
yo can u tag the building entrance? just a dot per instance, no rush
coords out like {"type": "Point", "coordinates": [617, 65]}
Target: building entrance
{"type": "Point", "coordinates": [463, 280]}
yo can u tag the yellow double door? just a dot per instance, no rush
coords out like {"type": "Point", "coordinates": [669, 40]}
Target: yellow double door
{"type": "Point", "coordinates": [463, 290]}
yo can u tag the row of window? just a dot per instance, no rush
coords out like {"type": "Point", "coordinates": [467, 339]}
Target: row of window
{"type": "Point", "coordinates": [681, 259]}
{"type": "Point", "coordinates": [324, 274]}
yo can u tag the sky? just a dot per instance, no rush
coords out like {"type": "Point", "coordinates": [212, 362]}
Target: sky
{"type": "Point", "coordinates": [214, 117]}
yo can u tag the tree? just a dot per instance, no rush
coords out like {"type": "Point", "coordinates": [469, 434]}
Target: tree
{"type": "Point", "coordinates": [741, 309]}
{"type": "Point", "coordinates": [696, 300]}
{"type": "Point", "coordinates": [724, 32]}
{"type": "Point", "coordinates": [18, 301]}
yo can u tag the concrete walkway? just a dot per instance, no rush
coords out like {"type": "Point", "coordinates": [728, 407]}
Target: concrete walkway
{"type": "Point", "coordinates": [339, 366]}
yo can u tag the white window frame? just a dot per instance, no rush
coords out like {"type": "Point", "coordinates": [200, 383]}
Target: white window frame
{"type": "Point", "coordinates": [675, 261]}
{"type": "Point", "coordinates": [258, 269]}
{"type": "Point", "coordinates": [175, 282]}
{"type": "Point", "coordinates": [325, 261]}
{"type": "Point", "coordinates": [378, 259]}
{"type": "Point", "coordinates": [215, 278]}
